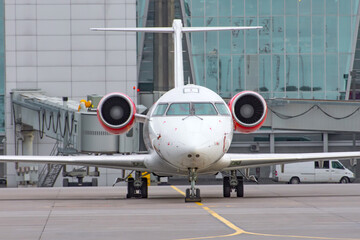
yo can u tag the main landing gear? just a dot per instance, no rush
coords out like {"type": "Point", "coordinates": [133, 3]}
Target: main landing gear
{"type": "Point", "coordinates": [192, 193]}
{"type": "Point", "coordinates": [137, 188]}
{"type": "Point", "coordinates": [235, 183]}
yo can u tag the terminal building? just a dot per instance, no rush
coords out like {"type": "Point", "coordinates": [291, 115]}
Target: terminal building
{"type": "Point", "coordinates": [306, 54]}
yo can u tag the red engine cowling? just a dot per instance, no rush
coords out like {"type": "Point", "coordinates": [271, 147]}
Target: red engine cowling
{"type": "Point", "coordinates": [116, 113]}
{"type": "Point", "coordinates": [248, 110]}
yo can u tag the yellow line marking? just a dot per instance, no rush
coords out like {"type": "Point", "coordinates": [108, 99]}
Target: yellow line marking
{"type": "Point", "coordinates": [178, 190]}
{"type": "Point", "coordinates": [294, 236]}
{"type": "Point", "coordinates": [239, 231]}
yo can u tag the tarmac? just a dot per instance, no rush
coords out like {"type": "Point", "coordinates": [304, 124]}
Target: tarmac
{"type": "Point", "coordinates": [305, 211]}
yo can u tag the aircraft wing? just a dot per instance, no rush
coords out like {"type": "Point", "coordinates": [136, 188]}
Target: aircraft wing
{"type": "Point", "coordinates": [237, 161]}
{"type": "Point", "coordinates": [128, 162]}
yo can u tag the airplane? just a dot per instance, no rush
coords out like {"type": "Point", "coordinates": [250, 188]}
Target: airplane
{"type": "Point", "coordinates": [187, 131]}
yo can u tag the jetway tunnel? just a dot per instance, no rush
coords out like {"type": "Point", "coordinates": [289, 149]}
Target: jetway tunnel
{"type": "Point", "coordinates": [75, 132]}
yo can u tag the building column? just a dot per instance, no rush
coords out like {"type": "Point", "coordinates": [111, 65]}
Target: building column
{"type": "Point", "coordinates": [325, 142]}
{"type": "Point", "coordinates": [272, 143]}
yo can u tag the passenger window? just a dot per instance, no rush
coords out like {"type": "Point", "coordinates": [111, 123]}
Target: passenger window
{"type": "Point", "coordinates": [326, 164]}
{"type": "Point", "coordinates": [160, 110]}
{"type": "Point", "coordinates": [204, 109]}
{"type": "Point", "coordinates": [176, 109]}
{"type": "Point", "coordinates": [316, 164]}
{"type": "Point", "coordinates": [336, 165]}
{"type": "Point", "coordinates": [222, 108]}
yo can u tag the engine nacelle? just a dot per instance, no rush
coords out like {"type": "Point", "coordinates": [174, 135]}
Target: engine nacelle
{"type": "Point", "coordinates": [116, 113]}
{"type": "Point", "coordinates": [248, 110]}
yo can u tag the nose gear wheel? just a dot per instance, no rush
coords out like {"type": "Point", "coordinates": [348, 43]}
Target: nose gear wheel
{"type": "Point", "coordinates": [233, 183]}
{"type": "Point", "coordinates": [137, 188]}
{"type": "Point", "coordinates": [192, 193]}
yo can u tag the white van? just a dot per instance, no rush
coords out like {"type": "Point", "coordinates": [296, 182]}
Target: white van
{"type": "Point", "coordinates": [294, 173]}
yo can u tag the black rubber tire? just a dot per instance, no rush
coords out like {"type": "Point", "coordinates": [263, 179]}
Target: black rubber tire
{"type": "Point", "coordinates": [197, 193]}
{"type": "Point", "coordinates": [144, 188]}
{"type": "Point", "coordinates": [240, 187]}
{"type": "Point", "coordinates": [130, 188]}
{"type": "Point", "coordinates": [226, 187]}
{"type": "Point", "coordinates": [344, 180]}
{"type": "Point", "coordinates": [294, 180]}
{"type": "Point", "coordinates": [187, 195]}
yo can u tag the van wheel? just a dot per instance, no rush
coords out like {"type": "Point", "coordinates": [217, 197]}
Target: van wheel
{"type": "Point", "coordinates": [294, 180]}
{"type": "Point", "coordinates": [344, 180]}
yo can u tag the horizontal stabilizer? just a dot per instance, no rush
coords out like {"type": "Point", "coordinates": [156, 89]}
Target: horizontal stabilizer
{"type": "Point", "coordinates": [208, 29]}
{"type": "Point", "coordinates": [154, 29]}
{"type": "Point", "coordinates": [171, 30]}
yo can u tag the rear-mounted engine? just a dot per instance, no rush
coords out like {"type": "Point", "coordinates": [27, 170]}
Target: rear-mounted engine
{"type": "Point", "coordinates": [249, 111]}
{"type": "Point", "coordinates": [116, 113]}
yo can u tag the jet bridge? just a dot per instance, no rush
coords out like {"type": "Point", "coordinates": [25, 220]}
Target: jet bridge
{"type": "Point", "coordinates": [313, 115]}
{"type": "Point", "coordinates": [75, 132]}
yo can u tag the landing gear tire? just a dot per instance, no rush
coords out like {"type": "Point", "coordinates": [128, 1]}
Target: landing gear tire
{"type": "Point", "coordinates": [144, 188]}
{"type": "Point", "coordinates": [192, 194]}
{"type": "Point", "coordinates": [190, 198]}
{"type": "Point", "coordinates": [226, 187]}
{"type": "Point", "coordinates": [240, 187]}
{"type": "Point", "coordinates": [131, 188]}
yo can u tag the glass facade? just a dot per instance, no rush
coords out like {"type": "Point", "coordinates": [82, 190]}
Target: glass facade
{"type": "Point", "coordinates": [305, 49]}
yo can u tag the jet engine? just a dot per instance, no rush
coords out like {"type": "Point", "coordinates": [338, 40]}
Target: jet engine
{"type": "Point", "coordinates": [116, 113]}
{"type": "Point", "coordinates": [248, 110]}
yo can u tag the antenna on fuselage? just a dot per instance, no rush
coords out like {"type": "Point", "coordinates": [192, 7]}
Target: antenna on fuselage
{"type": "Point", "coordinates": [177, 30]}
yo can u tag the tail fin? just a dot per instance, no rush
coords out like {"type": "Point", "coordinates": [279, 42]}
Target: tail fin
{"type": "Point", "coordinates": [177, 29]}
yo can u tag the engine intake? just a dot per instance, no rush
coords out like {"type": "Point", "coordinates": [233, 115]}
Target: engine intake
{"type": "Point", "coordinates": [116, 113]}
{"type": "Point", "coordinates": [249, 111]}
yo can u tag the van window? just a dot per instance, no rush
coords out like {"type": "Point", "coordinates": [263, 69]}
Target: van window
{"type": "Point", "coordinates": [336, 165]}
{"type": "Point", "coordinates": [326, 164]}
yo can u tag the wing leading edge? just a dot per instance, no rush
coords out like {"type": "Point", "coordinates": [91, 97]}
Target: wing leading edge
{"type": "Point", "coordinates": [128, 162]}
{"type": "Point", "coordinates": [237, 161]}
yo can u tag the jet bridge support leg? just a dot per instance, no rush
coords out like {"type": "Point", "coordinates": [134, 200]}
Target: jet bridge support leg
{"type": "Point", "coordinates": [137, 187]}
{"type": "Point", "coordinates": [235, 183]}
{"type": "Point", "coordinates": [192, 193]}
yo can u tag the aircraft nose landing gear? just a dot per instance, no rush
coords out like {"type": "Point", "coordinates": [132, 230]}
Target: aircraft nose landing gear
{"type": "Point", "coordinates": [192, 193]}
{"type": "Point", "coordinates": [137, 188]}
{"type": "Point", "coordinates": [233, 182]}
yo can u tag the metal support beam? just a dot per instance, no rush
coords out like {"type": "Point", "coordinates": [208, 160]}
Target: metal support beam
{"type": "Point", "coordinates": [325, 142]}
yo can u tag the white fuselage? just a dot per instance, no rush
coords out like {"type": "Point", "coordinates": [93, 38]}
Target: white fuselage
{"type": "Point", "coordinates": [189, 127]}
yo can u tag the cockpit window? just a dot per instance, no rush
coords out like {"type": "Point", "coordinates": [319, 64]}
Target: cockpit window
{"type": "Point", "coordinates": [160, 109]}
{"type": "Point", "coordinates": [204, 109]}
{"type": "Point", "coordinates": [179, 109]}
{"type": "Point", "coordinates": [222, 108]}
